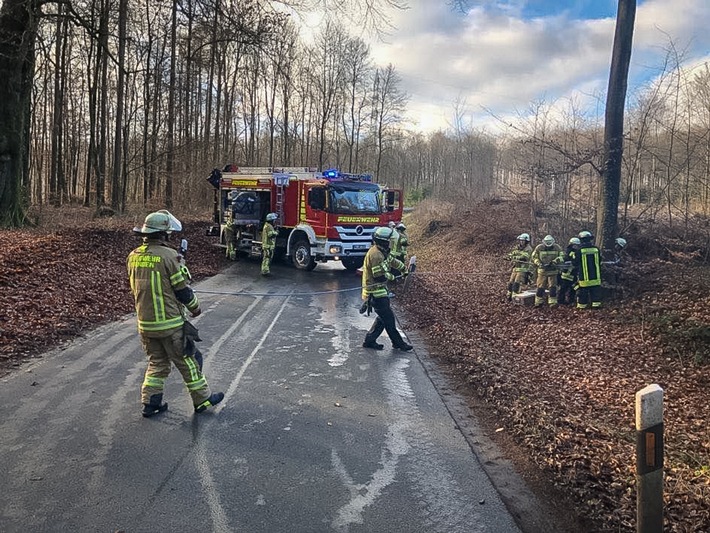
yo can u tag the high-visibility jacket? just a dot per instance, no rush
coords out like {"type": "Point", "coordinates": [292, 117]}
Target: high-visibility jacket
{"type": "Point", "coordinates": [376, 272]}
{"type": "Point", "coordinates": [521, 258]}
{"type": "Point", "coordinates": [268, 236]}
{"type": "Point", "coordinates": [155, 276]}
{"type": "Point", "coordinates": [568, 273]}
{"type": "Point", "coordinates": [588, 266]}
{"type": "Point", "coordinates": [402, 244]}
{"type": "Point", "coordinates": [547, 258]}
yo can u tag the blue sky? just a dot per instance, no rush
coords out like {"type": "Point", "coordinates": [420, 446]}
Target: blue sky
{"type": "Point", "coordinates": [502, 56]}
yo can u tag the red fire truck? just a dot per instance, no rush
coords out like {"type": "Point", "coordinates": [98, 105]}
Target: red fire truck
{"type": "Point", "coordinates": [322, 216]}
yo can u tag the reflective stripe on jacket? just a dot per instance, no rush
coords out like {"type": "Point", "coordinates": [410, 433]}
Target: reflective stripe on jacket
{"type": "Point", "coordinates": [376, 273]}
{"type": "Point", "coordinates": [154, 274]}
{"type": "Point", "coordinates": [588, 267]}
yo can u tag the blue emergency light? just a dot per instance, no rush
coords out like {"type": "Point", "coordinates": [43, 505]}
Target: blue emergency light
{"type": "Point", "coordinates": [331, 174]}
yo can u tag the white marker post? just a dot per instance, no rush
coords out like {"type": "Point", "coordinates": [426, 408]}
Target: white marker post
{"type": "Point", "coordinates": [649, 459]}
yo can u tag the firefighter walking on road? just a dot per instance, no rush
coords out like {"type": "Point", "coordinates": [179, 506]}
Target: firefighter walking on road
{"type": "Point", "coordinates": [546, 256]}
{"type": "Point", "coordinates": [162, 295]}
{"type": "Point", "coordinates": [376, 272]}
{"type": "Point", "coordinates": [268, 243]}
{"type": "Point", "coordinates": [588, 273]}
{"type": "Point", "coordinates": [520, 257]}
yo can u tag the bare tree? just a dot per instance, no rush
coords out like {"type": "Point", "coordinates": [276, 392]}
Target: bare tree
{"type": "Point", "coordinates": [608, 212]}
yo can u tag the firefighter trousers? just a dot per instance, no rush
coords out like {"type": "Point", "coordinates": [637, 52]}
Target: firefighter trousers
{"type": "Point", "coordinates": [589, 297]}
{"type": "Point", "coordinates": [385, 321]}
{"type": "Point", "coordinates": [546, 279]}
{"type": "Point", "coordinates": [163, 352]}
{"type": "Point", "coordinates": [267, 254]}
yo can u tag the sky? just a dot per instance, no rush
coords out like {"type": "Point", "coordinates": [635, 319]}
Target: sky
{"type": "Point", "coordinates": [497, 59]}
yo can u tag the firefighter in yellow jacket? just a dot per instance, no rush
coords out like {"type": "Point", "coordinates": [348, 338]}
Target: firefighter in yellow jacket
{"type": "Point", "coordinates": [161, 294]}
{"type": "Point", "coordinates": [268, 243]}
{"type": "Point", "coordinates": [520, 256]}
{"type": "Point", "coordinates": [376, 272]}
{"type": "Point", "coordinates": [546, 256]}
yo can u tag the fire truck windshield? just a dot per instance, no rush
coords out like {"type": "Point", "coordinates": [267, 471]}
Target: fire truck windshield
{"type": "Point", "coordinates": [357, 200]}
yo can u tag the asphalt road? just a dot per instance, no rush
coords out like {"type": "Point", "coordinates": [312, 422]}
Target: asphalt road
{"type": "Point", "coordinates": [316, 434]}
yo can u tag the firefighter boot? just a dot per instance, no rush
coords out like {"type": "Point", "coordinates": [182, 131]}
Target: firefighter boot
{"type": "Point", "coordinates": [155, 406]}
{"type": "Point", "coordinates": [374, 345]}
{"type": "Point", "coordinates": [403, 346]}
{"type": "Point", "coordinates": [213, 400]}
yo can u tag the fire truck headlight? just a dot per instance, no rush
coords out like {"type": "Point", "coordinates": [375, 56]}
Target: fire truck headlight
{"type": "Point", "coordinates": [335, 249]}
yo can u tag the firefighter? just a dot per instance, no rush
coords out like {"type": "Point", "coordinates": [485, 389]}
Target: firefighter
{"type": "Point", "coordinates": [229, 237]}
{"type": "Point", "coordinates": [568, 274]}
{"type": "Point", "coordinates": [612, 269]}
{"type": "Point", "coordinates": [162, 295]}
{"type": "Point", "coordinates": [268, 243]}
{"type": "Point", "coordinates": [376, 272]}
{"type": "Point", "coordinates": [402, 243]}
{"type": "Point", "coordinates": [588, 273]}
{"type": "Point", "coordinates": [520, 256]}
{"type": "Point", "coordinates": [394, 249]}
{"type": "Point", "coordinates": [546, 256]}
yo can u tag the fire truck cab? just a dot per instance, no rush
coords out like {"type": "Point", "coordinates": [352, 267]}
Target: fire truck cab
{"type": "Point", "coordinates": [322, 216]}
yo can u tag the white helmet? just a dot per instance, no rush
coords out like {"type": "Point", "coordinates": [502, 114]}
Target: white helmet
{"type": "Point", "coordinates": [159, 222]}
{"type": "Point", "coordinates": [271, 217]}
{"type": "Point", "coordinates": [391, 224]}
{"type": "Point", "coordinates": [401, 226]}
{"type": "Point", "coordinates": [620, 242]}
{"type": "Point", "coordinates": [524, 237]}
{"type": "Point", "coordinates": [548, 240]}
{"type": "Point", "coordinates": [575, 241]}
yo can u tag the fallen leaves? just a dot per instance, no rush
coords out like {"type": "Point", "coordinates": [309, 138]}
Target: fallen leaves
{"type": "Point", "coordinates": [563, 382]}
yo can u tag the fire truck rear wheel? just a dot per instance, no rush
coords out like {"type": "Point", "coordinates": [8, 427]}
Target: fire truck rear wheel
{"type": "Point", "coordinates": [301, 256]}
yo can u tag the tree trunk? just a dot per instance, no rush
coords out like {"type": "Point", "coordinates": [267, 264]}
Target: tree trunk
{"type": "Point", "coordinates": [614, 125]}
{"type": "Point", "coordinates": [117, 187]}
{"type": "Point", "coordinates": [170, 156]}
{"type": "Point", "coordinates": [18, 32]}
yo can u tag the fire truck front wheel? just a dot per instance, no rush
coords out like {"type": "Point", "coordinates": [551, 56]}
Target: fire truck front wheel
{"type": "Point", "coordinates": [301, 256]}
{"type": "Point", "coordinates": [352, 263]}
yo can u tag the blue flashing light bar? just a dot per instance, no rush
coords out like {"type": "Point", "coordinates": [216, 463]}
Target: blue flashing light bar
{"type": "Point", "coordinates": [335, 174]}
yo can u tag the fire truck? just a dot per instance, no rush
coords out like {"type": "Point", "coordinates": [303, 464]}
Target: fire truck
{"type": "Point", "coordinates": [322, 216]}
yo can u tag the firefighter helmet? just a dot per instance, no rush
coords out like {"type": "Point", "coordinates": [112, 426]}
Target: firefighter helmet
{"type": "Point", "coordinates": [575, 241]}
{"type": "Point", "coordinates": [585, 236]}
{"type": "Point", "coordinates": [524, 237]}
{"type": "Point", "coordinates": [391, 224]}
{"type": "Point", "coordinates": [401, 226]}
{"type": "Point", "coordinates": [381, 237]}
{"type": "Point", "coordinates": [159, 222]}
{"type": "Point", "coordinates": [620, 242]}
{"type": "Point", "coordinates": [271, 217]}
{"type": "Point", "coordinates": [548, 240]}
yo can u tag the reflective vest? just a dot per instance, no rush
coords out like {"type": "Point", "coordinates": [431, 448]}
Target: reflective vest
{"type": "Point", "coordinates": [588, 266]}
{"type": "Point", "coordinates": [154, 274]}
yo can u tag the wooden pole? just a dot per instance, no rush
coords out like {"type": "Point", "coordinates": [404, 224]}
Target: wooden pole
{"type": "Point", "coordinates": [649, 459]}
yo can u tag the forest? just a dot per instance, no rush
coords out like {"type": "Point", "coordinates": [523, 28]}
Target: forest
{"type": "Point", "coordinates": [133, 104]}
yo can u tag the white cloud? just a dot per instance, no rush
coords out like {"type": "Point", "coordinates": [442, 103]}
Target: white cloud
{"type": "Point", "coordinates": [495, 59]}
